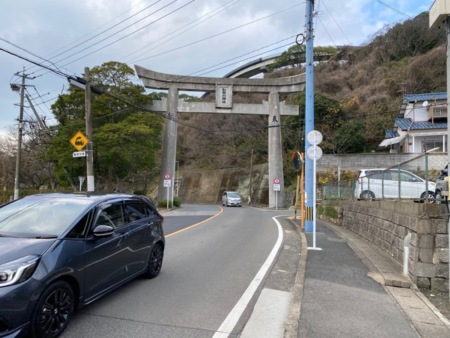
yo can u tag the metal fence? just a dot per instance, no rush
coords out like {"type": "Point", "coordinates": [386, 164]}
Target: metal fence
{"type": "Point", "coordinates": [410, 180]}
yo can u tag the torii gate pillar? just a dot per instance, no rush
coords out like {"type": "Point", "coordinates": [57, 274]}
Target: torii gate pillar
{"type": "Point", "coordinates": [275, 153]}
{"type": "Point", "coordinates": [224, 88]}
{"type": "Point", "coordinates": [170, 145]}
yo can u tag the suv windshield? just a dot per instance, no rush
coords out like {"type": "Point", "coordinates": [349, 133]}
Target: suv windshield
{"type": "Point", "coordinates": [40, 217]}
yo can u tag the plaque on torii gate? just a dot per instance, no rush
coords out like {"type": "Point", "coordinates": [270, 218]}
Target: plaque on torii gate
{"type": "Point", "coordinates": [224, 89]}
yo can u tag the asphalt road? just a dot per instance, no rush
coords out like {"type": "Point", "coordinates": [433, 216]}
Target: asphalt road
{"type": "Point", "coordinates": [207, 268]}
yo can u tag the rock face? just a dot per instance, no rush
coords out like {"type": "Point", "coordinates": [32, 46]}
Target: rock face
{"type": "Point", "coordinates": [208, 186]}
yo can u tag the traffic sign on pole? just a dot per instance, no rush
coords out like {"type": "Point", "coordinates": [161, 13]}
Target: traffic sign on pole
{"type": "Point", "coordinates": [314, 137]}
{"type": "Point", "coordinates": [79, 141]}
{"type": "Point", "coordinates": [167, 180]}
{"type": "Point", "coordinates": [79, 154]}
{"type": "Point", "coordinates": [276, 184]}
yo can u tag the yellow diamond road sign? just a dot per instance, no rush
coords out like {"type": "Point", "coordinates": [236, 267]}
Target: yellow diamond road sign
{"type": "Point", "coordinates": [79, 141]}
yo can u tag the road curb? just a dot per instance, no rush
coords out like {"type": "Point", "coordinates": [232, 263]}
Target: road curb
{"type": "Point", "coordinates": [292, 322]}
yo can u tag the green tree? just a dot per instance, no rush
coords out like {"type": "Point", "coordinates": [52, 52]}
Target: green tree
{"type": "Point", "coordinates": [342, 131]}
{"type": "Point", "coordinates": [126, 137]}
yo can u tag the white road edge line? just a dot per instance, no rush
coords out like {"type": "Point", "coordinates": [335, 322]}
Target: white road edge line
{"type": "Point", "coordinates": [230, 322]}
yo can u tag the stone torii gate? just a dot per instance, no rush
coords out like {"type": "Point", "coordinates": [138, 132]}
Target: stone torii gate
{"type": "Point", "coordinates": [224, 89]}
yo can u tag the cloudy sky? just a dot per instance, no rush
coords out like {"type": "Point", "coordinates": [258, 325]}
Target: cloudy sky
{"type": "Point", "coordinates": [188, 37]}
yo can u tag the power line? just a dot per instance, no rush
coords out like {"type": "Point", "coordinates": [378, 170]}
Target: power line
{"type": "Point", "coordinates": [334, 19]}
{"type": "Point", "coordinates": [394, 9]}
{"type": "Point", "coordinates": [188, 27]}
{"type": "Point", "coordinates": [108, 29]}
{"type": "Point", "coordinates": [96, 29]}
{"type": "Point", "coordinates": [218, 34]}
{"type": "Point", "coordinates": [326, 31]}
{"type": "Point", "coordinates": [151, 23]}
{"type": "Point", "coordinates": [111, 35]}
{"type": "Point", "coordinates": [128, 18]}
{"type": "Point", "coordinates": [27, 51]}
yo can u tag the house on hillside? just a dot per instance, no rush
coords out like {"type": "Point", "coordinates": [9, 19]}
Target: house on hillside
{"type": "Point", "coordinates": [420, 126]}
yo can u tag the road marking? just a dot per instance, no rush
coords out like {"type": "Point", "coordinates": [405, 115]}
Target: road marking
{"type": "Point", "coordinates": [230, 322]}
{"type": "Point", "coordinates": [268, 317]}
{"type": "Point", "coordinates": [194, 225]}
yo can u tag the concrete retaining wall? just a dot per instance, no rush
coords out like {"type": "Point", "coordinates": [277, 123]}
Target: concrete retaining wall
{"type": "Point", "coordinates": [386, 224]}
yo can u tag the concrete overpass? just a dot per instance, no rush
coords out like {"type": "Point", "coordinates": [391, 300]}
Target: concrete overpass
{"type": "Point", "coordinates": [252, 68]}
{"type": "Point", "coordinates": [260, 65]}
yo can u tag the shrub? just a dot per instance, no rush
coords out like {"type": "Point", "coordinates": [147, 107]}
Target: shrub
{"type": "Point", "coordinates": [176, 203]}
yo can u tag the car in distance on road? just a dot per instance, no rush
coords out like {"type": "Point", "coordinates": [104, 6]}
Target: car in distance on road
{"type": "Point", "coordinates": [231, 198]}
{"type": "Point", "coordinates": [60, 252]}
{"type": "Point", "coordinates": [392, 183]}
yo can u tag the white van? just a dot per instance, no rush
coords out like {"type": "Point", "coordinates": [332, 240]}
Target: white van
{"type": "Point", "coordinates": [392, 183]}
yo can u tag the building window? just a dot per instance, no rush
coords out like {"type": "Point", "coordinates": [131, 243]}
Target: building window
{"type": "Point", "coordinates": [430, 144]}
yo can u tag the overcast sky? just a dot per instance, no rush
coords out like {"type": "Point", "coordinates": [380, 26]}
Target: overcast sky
{"type": "Point", "coordinates": [187, 37]}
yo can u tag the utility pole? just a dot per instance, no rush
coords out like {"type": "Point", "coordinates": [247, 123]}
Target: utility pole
{"type": "Point", "coordinates": [85, 84]}
{"type": "Point", "coordinates": [309, 116]}
{"type": "Point", "coordinates": [15, 87]}
{"type": "Point", "coordinates": [19, 140]}
{"type": "Point", "coordinates": [38, 118]}
{"type": "Point", "coordinates": [90, 151]}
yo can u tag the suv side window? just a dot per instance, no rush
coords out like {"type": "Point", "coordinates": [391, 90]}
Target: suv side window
{"type": "Point", "coordinates": [150, 209]}
{"type": "Point", "coordinates": [80, 229]}
{"type": "Point", "coordinates": [135, 210]}
{"type": "Point", "coordinates": [111, 215]}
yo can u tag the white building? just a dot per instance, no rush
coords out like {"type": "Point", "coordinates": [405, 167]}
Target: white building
{"type": "Point", "coordinates": [421, 125]}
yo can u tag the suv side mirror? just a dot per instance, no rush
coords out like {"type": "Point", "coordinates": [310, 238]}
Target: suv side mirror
{"type": "Point", "coordinates": [103, 230]}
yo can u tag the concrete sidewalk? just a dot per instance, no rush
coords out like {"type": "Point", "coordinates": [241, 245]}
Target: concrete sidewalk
{"type": "Point", "coordinates": [318, 275]}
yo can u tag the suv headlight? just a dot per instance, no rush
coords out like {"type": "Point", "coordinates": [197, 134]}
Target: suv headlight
{"type": "Point", "coordinates": [17, 271]}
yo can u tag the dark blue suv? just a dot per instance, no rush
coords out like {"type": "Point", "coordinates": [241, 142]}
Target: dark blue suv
{"type": "Point", "coordinates": [60, 252]}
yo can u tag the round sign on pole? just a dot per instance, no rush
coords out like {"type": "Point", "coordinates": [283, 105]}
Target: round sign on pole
{"type": "Point", "coordinates": [276, 180]}
{"type": "Point", "coordinates": [314, 152]}
{"type": "Point", "coordinates": [167, 176]}
{"type": "Point", "coordinates": [314, 137]}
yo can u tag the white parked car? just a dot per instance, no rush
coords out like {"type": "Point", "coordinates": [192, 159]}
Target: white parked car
{"type": "Point", "coordinates": [392, 183]}
{"type": "Point", "coordinates": [231, 198]}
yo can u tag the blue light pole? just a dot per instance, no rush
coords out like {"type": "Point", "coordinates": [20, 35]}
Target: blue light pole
{"type": "Point", "coordinates": [309, 115]}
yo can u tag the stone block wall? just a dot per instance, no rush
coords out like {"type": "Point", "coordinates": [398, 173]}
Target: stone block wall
{"type": "Point", "coordinates": [386, 224]}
